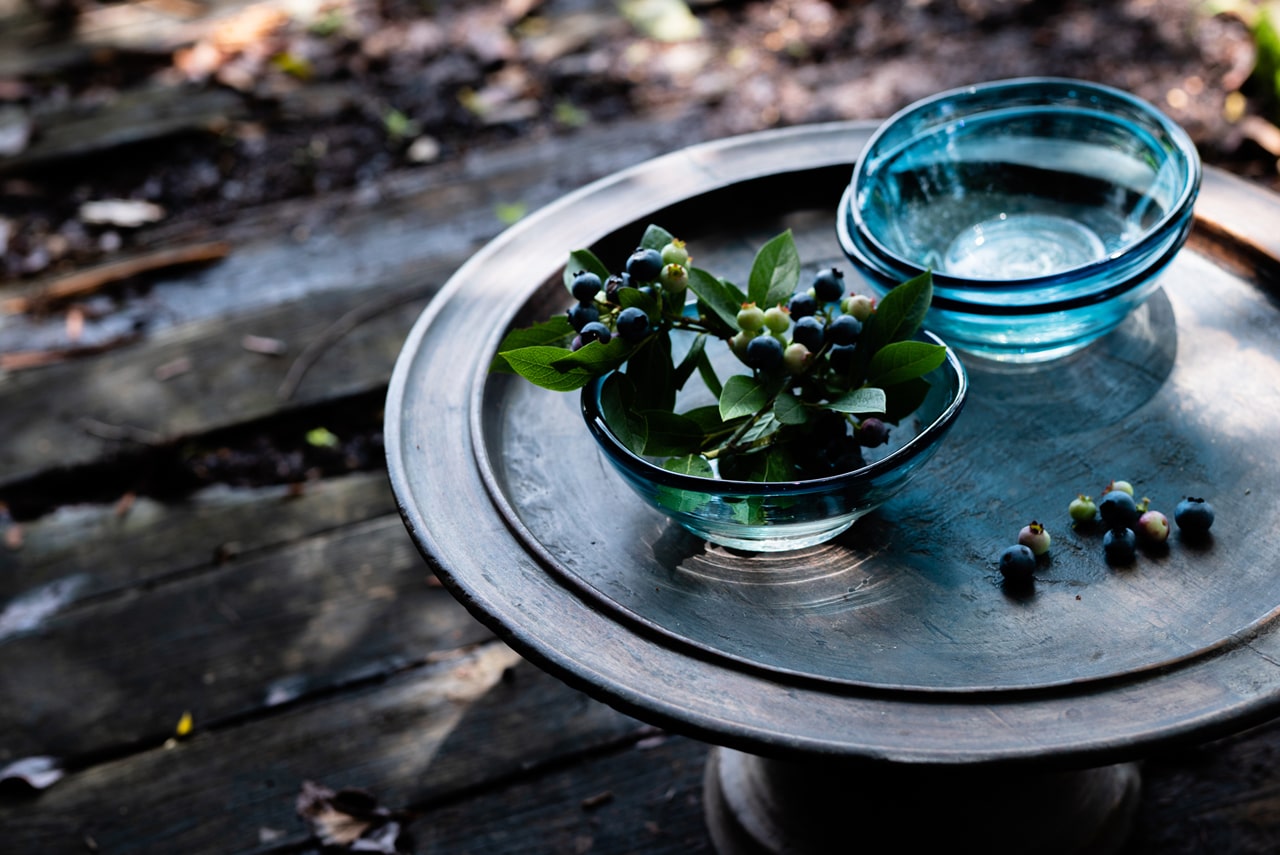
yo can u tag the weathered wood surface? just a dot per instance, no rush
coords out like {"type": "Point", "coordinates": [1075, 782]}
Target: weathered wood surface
{"type": "Point", "coordinates": [301, 630]}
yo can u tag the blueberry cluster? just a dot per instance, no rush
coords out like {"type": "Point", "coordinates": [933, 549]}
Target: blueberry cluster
{"type": "Point", "coordinates": [816, 331]}
{"type": "Point", "coordinates": [1130, 522]}
{"type": "Point", "coordinates": [653, 273]}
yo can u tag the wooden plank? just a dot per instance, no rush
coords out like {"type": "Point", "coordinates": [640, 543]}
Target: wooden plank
{"type": "Point", "coordinates": [426, 737]}
{"type": "Point", "coordinates": [86, 551]}
{"type": "Point", "coordinates": [641, 799]}
{"type": "Point", "coordinates": [389, 252]}
{"type": "Point", "coordinates": [118, 673]}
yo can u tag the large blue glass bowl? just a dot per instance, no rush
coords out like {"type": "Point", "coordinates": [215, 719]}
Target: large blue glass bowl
{"type": "Point", "coordinates": [1046, 208]}
{"type": "Point", "coordinates": [780, 515]}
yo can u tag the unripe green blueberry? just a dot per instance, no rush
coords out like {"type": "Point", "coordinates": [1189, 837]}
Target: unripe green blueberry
{"type": "Point", "coordinates": [1082, 509]}
{"type": "Point", "coordinates": [777, 319]}
{"type": "Point", "coordinates": [795, 358]}
{"type": "Point", "coordinates": [675, 253]}
{"type": "Point", "coordinates": [738, 344]}
{"type": "Point", "coordinates": [674, 278]}
{"type": "Point", "coordinates": [750, 317]}
{"type": "Point", "coordinates": [859, 305]}
{"type": "Point", "coordinates": [1122, 486]}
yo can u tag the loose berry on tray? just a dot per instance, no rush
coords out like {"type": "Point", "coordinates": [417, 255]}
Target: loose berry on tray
{"type": "Point", "coordinates": [1034, 537]}
{"type": "Point", "coordinates": [1082, 509]}
{"type": "Point", "coordinates": [1119, 545]}
{"type": "Point", "coordinates": [1193, 515]}
{"type": "Point", "coordinates": [1118, 509]}
{"type": "Point", "coordinates": [1153, 528]}
{"type": "Point", "coordinates": [1017, 563]}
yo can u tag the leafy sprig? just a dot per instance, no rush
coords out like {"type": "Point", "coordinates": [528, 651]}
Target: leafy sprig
{"type": "Point", "coordinates": [805, 414]}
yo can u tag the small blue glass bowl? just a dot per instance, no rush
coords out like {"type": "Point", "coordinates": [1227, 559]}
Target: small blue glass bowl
{"type": "Point", "coordinates": [774, 516]}
{"type": "Point", "coordinates": [1044, 207]}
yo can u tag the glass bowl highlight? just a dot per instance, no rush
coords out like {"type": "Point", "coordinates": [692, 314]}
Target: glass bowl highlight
{"type": "Point", "coordinates": [1045, 208]}
{"type": "Point", "coordinates": [781, 515]}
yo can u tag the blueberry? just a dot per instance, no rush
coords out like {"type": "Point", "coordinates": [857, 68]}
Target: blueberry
{"type": "Point", "coordinates": [1119, 545]}
{"type": "Point", "coordinates": [750, 317]}
{"type": "Point", "coordinates": [581, 315]}
{"type": "Point", "coordinates": [585, 286]}
{"type": "Point", "coordinates": [809, 332]}
{"type": "Point", "coordinates": [828, 285]}
{"type": "Point", "coordinates": [1153, 528]}
{"type": "Point", "coordinates": [796, 358]}
{"type": "Point", "coordinates": [777, 319]}
{"type": "Point", "coordinates": [1193, 516]}
{"type": "Point", "coordinates": [644, 265]}
{"type": "Point", "coordinates": [872, 432]}
{"type": "Point", "coordinates": [1034, 537]}
{"type": "Point", "coordinates": [614, 284]}
{"type": "Point", "coordinates": [841, 357]}
{"type": "Point", "coordinates": [595, 331]}
{"type": "Point", "coordinates": [1118, 509]}
{"type": "Point", "coordinates": [632, 324]}
{"type": "Point", "coordinates": [675, 253]}
{"type": "Point", "coordinates": [1017, 563]}
{"type": "Point", "coordinates": [844, 330]}
{"type": "Point", "coordinates": [802, 305]}
{"type": "Point", "coordinates": [764, 352]}
{"type": "Point", "coordinates": [1082, 509]}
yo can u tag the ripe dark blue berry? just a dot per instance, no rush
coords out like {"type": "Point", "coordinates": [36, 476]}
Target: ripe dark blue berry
{"type": "Point", "coordinates": [1119, 545]}
{"type": "Point", "coordinates": [802, 305]}
{"type": "Point", "coordinates": [844, 330]}
{"type": "Point", "coordinates": [764, 352]}
{"type": "Point", "coordinates": [595, 331]}
{"type": "Point", "coordinates": [644, 265]}
{"type": "Point", "coordinates": [614, 284]}
{"type": "Point", "coordinates": [872, 432]}
{"type": "Point", "coordinates": [828, 285]}
{"type": "Point", "coordinates": [581, 315]}
{"type": "Point", "coordinates": [632, 324]}
{"type": "Point", "coordinates": [1118, 510]}
{"type": "Point", "coordinates": [1193, 516]}
{"type": "Point", "coordinates": [586, 285]}
{"type": "Point", "coordinates": [809, 332]}
{"type": "Point", "coordinates": [1017, 563]}
{"type": "Point", "coordinates": [841, 356]}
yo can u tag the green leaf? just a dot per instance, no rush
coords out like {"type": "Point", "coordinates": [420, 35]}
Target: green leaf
{"type": "Point", "coordinates": [863, 401]}
{"type": "Point", "coordinates": [707, 372]}
{"type": "Point", "coordinates": [595, 357]}
{"type": "Point", "coordinates": [778, 465]}
{"type": "Point", "coordinates": [707, 418]}
{"type": "Point", "coordinates": [905, 398]}
{"type": "Point", "coordinates": [690, 464]}
{"type": "Point", "coordinates": [655, 237]}
{"type": "Point", "coordinates": [789, 410]}
{"type": "Point", "coordinates": [721, 299]}
{"type": "Point", "coordinates": [580, 260]}
{"type": "Point", "coordinates": [775, 272]}
{"type": "Point", "coordinates": [742, 396]}
{"type": "Point", "coordinates": [670, 434]}
{"type": "Point", "coordinates": [535, 364]}
{"type": "Point", "coordinates": [322, 438]}
{"type": "Point", "coordinates": [650, 370]}
{"type": "Point", "coordinates": [555, 332]}
{"type": "Point", "coordinates": [697, 352]}
{"type": "Point", "coordinates": [904, 360]}
{"type": "Point", "coordinates": [628, 297]}
{"type": "Point", "coordinates": [617, 405]}
{"type": "Point", "coordinates": [901, 311]}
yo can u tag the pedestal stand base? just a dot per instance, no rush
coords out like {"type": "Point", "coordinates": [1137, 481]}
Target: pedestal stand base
{"type": "Point", "coordinates": [758, 806]}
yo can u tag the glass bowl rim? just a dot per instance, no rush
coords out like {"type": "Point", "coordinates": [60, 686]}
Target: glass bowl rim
{"type": "Point", "coordinates": [654, 473]}
{"type": "Point", "coordinates": [1144, 245]}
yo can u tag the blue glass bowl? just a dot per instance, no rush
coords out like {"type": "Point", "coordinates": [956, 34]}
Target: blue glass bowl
{"type": "Point", "coordinates": [779, 515]}
{"type": "Point", "coordinates": [1044, 207]}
